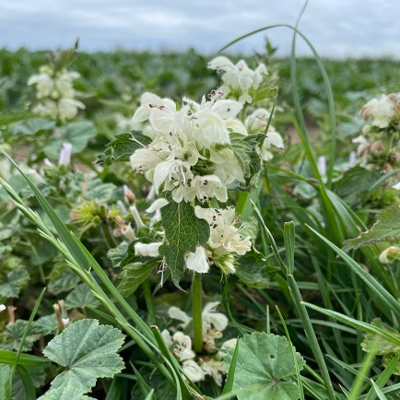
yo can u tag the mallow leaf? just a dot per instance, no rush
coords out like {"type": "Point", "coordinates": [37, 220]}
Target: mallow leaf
{"type": "Point", "coordinates": [122, 148]}
{"type": "Point", "coordinates": [13, 334]}
{"type": "Point", "coordinates": [12, 282]}
{"type": "Point", "coordinates": [67, 392]}
{"type": "Point", "coordinates": [81, 297]}
{"type": "Point", "coordinates": [385, 229]}
{"type": "Point", "coordinates": [265, 364]}
{"type": "Point", "coordinates": [183, 232]}
{"type": "Point", "coordinates": [88, 351]}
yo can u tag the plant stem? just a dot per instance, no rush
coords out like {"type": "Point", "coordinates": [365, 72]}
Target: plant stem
{"type": "Point", "coordinates": [108, 235]}
{"type": "Point", "coordinates": [197, 310]}
{"type": "Point", "coordinates": [148, 297]}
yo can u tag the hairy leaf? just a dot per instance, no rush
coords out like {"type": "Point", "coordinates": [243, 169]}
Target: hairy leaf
{"type": "Point", "coordinates": [253, 270]}
{"type": "Point", "coordinates": [81, 297]}
{"type": "Point", "coordinates": [32, 126]}
{"type": "Point", "coordinates": [12, 335]}
{"type": "Point", "coordinates": [122, 148]}
{"type": "Point", "coordinates": [183, 232]}
{"type": "Point", "coordinates": [266, 361]}
{"type": "Point", "coordinates": [12, 282]}
{"type": "Point", "coordinates": [67, 392]}
{"type": "Point", "coordinates": [386, 229]}
{"type": "Point", "coordinates": [88, 351]}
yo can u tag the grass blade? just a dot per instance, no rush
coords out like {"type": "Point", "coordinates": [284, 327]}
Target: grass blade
{"type": "Point", "coordinates": [231, 373]}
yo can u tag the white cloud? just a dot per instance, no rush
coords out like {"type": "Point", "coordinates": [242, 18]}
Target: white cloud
{"type": "Point", "coordinates": [335, 28]}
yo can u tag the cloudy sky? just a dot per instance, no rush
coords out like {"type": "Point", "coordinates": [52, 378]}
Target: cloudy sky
{"type": "Point", "coordinates": [337, 28]}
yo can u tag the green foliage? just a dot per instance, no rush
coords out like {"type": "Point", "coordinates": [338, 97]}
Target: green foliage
{"type": "Point", "coordinates": [13, 281]}
{"type": "Point", "coordinates": [81, 297]}
{"type": "Point", "coordinates": [132, 275]}
{"type": "Point", "coordinates": [265, 366]}
{"type": "Point", "coordinates": [122, 148]}
{"type": "Point", "coordinates": [386, 229]}
{"type": "Point", "coordinates": [183, 232]}
{"type": "Point", "coordinates": [13, 333]}
{"type": "Point", "coordinates": [88, 351]}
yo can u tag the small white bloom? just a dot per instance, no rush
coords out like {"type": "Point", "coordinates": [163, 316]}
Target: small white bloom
{"type": "Point", "coordinates": [208, 187]}
{"type": "Point", "coordinates": [258, 120]}
{"type": "Point", "coordinates": [65, 155]}
{"type": "Point", "coordinates": [136, 216]}
{"type": "Point", "coordinates": [44, 84]}
{"type": "Point", "coordinates": [48, 108]}
{"type": "Point", "coordinates": [183, 347]}
{"type": "Point", "coordinates": [147, 249]}
{"type": "Point", "coordinates": [218, 320]}
{"type": "Point", "coordinates": [129, 233]}
{"type": "Point", "coordinates": [193, 371]}
{"type": "Point", "coordinates": [198, 261]}
{"type": "Point", "coordinates": [273, 138]}
{"type": "Point", "coordinates": [322, 165]}
{"type": "Point", "coordinates": [362, 142]}
{"type": "Point", "coordinates": [384, 256]}
{"type": "Point", "coordinates": [68, 108]}
{"type": "Point", "coordinates": [381, 110]}
{"type": "Point", "coordinates": [215, 369]}
{"type": "Point", "coordinates": [167, 338]}
{"type": "Point", "coordinates": [2, 308]}
{"type": "Point", "coordinates": [177, 313]}
{"type": "Point", "coordinates": [65, 322]}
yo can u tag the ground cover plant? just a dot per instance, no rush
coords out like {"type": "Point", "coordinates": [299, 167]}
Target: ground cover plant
{"type": "Point", "coordinates": [178, 227]}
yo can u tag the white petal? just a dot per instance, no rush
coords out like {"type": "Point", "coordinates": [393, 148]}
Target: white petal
{"type": "Point", "coordinates": [177, 313]}
{"type": "Point", "coordinates": [167, 337]}
{"type": "Point", "coordinates": [193, 371]}
{"type": "Point", "coordinates": [2, 308]}
{"type": "Point", "coordinates": [221, 63]}
{"type": "Point", "coordinates": [197, 261]}
{"type": "Point", "coordinates": [227, 108]}
{"type": "Point", "coordinates": [159, 203]}
{"type": "Point", "coordinates": [147, 249]}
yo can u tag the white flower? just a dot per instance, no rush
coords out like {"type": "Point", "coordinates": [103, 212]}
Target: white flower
{"type": "Point", "coordinates": [48, 108]}
{"type": "Point", "coordinates": [193, 371]}
{"type": "Point", "coordinates": [44, 84]}
{"type": "Point", "coordinates": [227, 345]}
{"type": "Point", "coordinates": [239, 79]}
{"type": "Point", "coordinates": [147, 249]}
{"type": "Point", "coordinates": [224, 236]}
{"type": "Point", "coordinates": [145, 159]}
{"type": "Point", "coordinates": [322, 165]}
{"type": "Point", "coordinates": [68, 108]}
{"type": "Point", "coordinates": [215, 369]}
{"type": "Point", "coordinates": [176, 313]}
{"type": "Point", "coordinates": [218, 320]}
{"type": "Point", "coordinates": [273, 138]}
{"type": "Point", "coordinates": [136, 216]}
{"type": "Point", "coordinates": [2, 308]}
{"type": "Point", "coordinates": [362, 142]}
{"type": "Point", "coordinates": [384, 256]}
{"type": "Point", "coordinates": [198, 260]}
{"type": "Point", "coordinates": [381, 110]}
{"type": "Point", "coordinates": [182, 346]}
{"type": "Point", "coordinates": [167, 338]}
{"type": "Point", "coordinates": [64, 83]}
{"type": "Point", "coordinates": [258, 120]}
{"type": "Point", "coordinates": [209, 186]}
{"type": "Point", "coordinates": [65, 155]}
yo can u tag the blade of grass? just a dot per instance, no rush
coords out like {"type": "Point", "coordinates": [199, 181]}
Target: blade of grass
{"type": "Point", "coordinates": [231, 373]}
{"type": "Point", "coordinates": [30, 391]}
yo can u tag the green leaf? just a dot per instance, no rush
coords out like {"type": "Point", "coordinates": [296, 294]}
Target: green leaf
{"type": "Point", "coordinates": [132, 275]}
{"type": "Point", "coordinates": [122, 148]}
{"type": "Point", "coordinates": [88, 351]}
{"type": "Point", "coordinates": [5, 379]}
{"type": "Point", "coordinates": [12, 283]}
{"type": "Point", "coordinates": [183, 232]}
{"type": "Point", "coordinates": [66, 392]}
{"type": "Point", "coordinates": [26, 380]}
{"type": "Point", "coordinates": [117, 254]}
{"type": "Point", "coordinates": [65, 282]}
{"type": "Point", "coordinates": [386, 229]}
{"type": "Point", "coordinates": [99, 192]}
{"type": "Point", "coordinates": [13, 334]}
{"type": "Point", "coordinates": [81, 297]}
{"type": "Point", "coordinates": [253, 270]}
{"type": "Point", "coordinates": [32, 126]}
{"type": "Point", "coordinates": [9, 357]}
{"type": "Point", "coordinates": [76, 133]}
{"type": "Point", "coordinates": [46, 325]}
{"type": "Point", "coordinates": [265, 360]}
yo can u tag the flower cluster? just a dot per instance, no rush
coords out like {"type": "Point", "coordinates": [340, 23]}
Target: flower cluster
{"type": "Point", "coordinates": [55, 92]}
{"type": "Point", "coordinates": [190, 154]}
{"type": "Point", "coordinates": [198, 368]}
{"type": "Point", "coordinates": [239, 81]}
{"type": "Point", "coordinates": [381, 111]}
{"type": "Point", "coordinates": [224, 244]}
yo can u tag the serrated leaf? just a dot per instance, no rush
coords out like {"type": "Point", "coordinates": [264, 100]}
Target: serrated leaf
{"type": "Point", "coordinates": [37, 375]}
{"type": "Point", "coordinates": [12, 335]}
{"type": "Point", "coordinates": [89, 351]}
{"type": "Point", "coordinates": [67, 392]}
{"type": "Point", "coordinates": [76, 133]}
{"type": "Point", "coordinates": [132, 276]}
{"type": "Point", "coordinates": [265, 360]}
{"type": "Point", "coordinates": [253, 270]}
{"type": "Point", "coordinates": [46, 325]}
{"type": "Point", "coordinates": [386, 229]}
{"type": "Point", "coordinates": [12, 283]}
{"type": "Point", "coordinates": [122, 148]}
{"type": "Point", "coordinates": [81, 297]}
{"type": "Point", "coordinates": [99, 192]}
{"type": "Point", "coordinates": [183, 232]}
{"type": "Point", "coordinates": [65, 282]}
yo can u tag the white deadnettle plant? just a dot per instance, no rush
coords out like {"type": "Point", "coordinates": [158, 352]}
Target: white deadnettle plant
{"type": "Point", "coordinates": [191, 154]}
{"type": "Point", "coordinates": [56, 93]}
{"type": "Point", "coordinates": [198, 368]}
{"type": "Point", "coordinates": [239, 81]}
